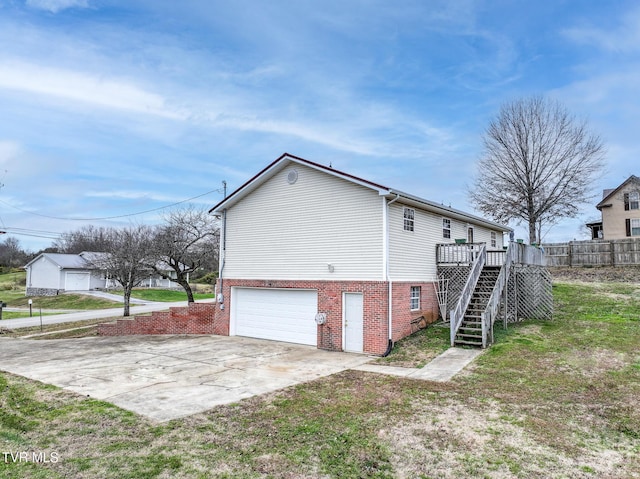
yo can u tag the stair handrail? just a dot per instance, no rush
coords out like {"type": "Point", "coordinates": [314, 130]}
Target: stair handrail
{"type": "Point", "coordinates": [493, 305]}
{"type": "Point", "coordinates": [457, 314]}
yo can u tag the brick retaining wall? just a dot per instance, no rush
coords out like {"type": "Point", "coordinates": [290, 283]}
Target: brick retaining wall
{"type": "Point", "coordinates": [196, 318]}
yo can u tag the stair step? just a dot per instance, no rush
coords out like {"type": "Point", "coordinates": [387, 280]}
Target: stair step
{"type": "Point", "coordinates": [468, 343]}
{"type": "Point", "coordinates": [469, 337]}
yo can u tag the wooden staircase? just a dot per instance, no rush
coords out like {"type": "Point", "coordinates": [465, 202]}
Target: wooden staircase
{"type": "Point", "coordinates": [470, 331]}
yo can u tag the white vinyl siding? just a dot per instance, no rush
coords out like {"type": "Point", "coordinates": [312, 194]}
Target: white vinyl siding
{"type": "Point", "coordinates": [295, 231]}
{"type": "Point", "coordinates": [482, 235]}
{"type": "Point", "coordinates": [44, 274]}
{"type": "Point", "coordinates": [412, 257]}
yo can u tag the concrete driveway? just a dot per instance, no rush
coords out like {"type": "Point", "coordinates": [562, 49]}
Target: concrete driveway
{"type": "Point", "coordinates": [167, 377]}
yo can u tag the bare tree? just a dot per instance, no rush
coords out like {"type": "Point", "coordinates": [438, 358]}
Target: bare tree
{"type": "Point", "coordinates": [11, 253]}
{"type": "Point", "coordinates": [86, 238]}
{"type": "Point", "coordinates": [126, 258]}
{"type": "Point", "coordinates": [185, 243]}
{"type": "Point", "coordinates": [538, 164]}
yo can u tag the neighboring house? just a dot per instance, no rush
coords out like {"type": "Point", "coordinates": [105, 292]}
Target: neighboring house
{"type": "Point", "coordinates": [316, 256]}
{"type": "Point", "coordinates": [52, 273]}
{"type": "Point", "coordinates": [620, 208]}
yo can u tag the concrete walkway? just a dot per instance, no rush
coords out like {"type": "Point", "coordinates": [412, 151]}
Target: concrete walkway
{"type": "Point", "coordinates": [441, 368]}
{"type": "Point", "coordinates": [91, 314]}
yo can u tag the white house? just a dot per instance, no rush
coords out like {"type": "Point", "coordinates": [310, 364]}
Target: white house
{"type": "Point", "coordinates": [313, 255]}
{"type": "Point", "coordinates": [49, 274]}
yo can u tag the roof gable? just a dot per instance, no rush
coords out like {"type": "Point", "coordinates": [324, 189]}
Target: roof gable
{"type": "Point", "coordinates": [610, 193]}
{"type": "Point", "coordinates": [286, 159]}
{"type": "Point", "coordinates": [69, 260]}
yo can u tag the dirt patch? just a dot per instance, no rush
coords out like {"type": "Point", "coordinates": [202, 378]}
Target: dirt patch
{"type": "Point", "coordinates": [484, 440]}
{"type": "Point", "coordinates": [603, 274]}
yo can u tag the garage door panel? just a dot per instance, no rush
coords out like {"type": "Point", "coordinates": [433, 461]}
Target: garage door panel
{"type": "Point", "coordinates": [276, 314]}
{"type": "Point", "coordinates": [76, 281]}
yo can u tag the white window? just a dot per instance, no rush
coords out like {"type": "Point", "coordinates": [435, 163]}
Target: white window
{"type": "Point", "coordinates": [409, 215]}
{"type": "Point", "coordinates": [634, 200]}
{"type": "Point", "coordinates": [415, 298]}
{"type": "Point", "coordinates": [494, 240]}
{"type": "Point", "coordinates": [635, 227]}
{"type": "Point", "coordinates": [446, 228]}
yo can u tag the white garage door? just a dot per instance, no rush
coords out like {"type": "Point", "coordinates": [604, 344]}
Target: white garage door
{"type": "Point", "coordinates": [277, 314]}
{"type": "Point", "coordinates": [76, 282]}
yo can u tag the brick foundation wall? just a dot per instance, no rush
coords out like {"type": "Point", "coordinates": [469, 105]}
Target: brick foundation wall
{"type": "Point", "coordinates": [330, 303]}
{"type": "Point", "coordinates": [375, 306]}
{"type": "Point", "coordinates": [196, 318]}
{"type": "Point", "coordinates": [402, 313]}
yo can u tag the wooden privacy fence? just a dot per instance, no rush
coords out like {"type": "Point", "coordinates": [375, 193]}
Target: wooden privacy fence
{"type": "Point", "coordinates": [594, 253]}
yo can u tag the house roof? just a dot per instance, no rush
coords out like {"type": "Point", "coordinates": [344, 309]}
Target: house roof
{"type": "Point", "coordinates": [280, 163]}
{"type": "Point", "coordinates": [610, 193]}
{"type": "Point", "coordinates": [68, 261]}
{"type": "Point", "coordinates": [84, 260]}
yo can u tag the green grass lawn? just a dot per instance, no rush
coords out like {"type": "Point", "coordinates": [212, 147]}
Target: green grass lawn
{"type": "Point", "coordinates": [62, 301]}
{"type": "Point", "coordinates": [555, 399]}
{"type": "Point", "coordinates": [165, 295]}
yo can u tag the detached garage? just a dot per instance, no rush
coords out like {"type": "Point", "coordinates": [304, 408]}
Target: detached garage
{"type": "Point", "coordinates": [277, 314]}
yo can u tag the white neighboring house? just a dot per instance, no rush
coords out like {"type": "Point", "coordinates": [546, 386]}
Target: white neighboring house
{"type": "Point", "coordinates": [52, 273]}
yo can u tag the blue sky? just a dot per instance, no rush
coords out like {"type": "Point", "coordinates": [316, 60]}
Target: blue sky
{"type": "Point", "coordinates": [111, 108]}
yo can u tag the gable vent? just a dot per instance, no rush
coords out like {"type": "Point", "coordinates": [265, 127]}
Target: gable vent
{"type": "Point", "coordinates": [292, 177]}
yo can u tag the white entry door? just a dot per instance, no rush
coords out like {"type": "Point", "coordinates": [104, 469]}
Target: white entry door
{"type": "Point", "coordinates": [353, 324]}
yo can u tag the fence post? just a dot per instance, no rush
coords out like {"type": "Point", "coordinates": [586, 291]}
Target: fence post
{"type": "Point", "coordinates": [612, 245]}
{"type": "Point", "coordinates": [570, 253]}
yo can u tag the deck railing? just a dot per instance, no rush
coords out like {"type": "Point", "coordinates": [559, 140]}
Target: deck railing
{"type": "Point", "coordinates": [465, 254]}
{"type": "Point", "coordinates": [457, 314]}
{"type": "Point", "coordinates": [499, 291]}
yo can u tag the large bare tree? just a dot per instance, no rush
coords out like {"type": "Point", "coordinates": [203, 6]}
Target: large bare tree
{"type": "Point", "coordinates": [186, 242]}
{"type": "Point", "coordinates": [126, 257]}
{"type": "Point", "coordinates": [538, 165]}
{"type": "Point", "coordinates": [86, 238]}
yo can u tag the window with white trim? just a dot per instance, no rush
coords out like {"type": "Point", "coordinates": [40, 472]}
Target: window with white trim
{"type": "Point", "coordinates": [634, 200]}
{"type": "Point", "coordinates": [635, 227]}
{"type": "Point", "coordinates": [494, 239]}
{"type": "Point", "coordinates": [446, 228]}
{"type": "Point", "coordinates": [409, 217]}
{"type": "Point", "coordinates": [415, 298]}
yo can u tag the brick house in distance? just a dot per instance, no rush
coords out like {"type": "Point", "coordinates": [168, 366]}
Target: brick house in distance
{"type": "Point", "coordinates": [620, 208]}
{"type": "Point", "coordinates": [316, 256]}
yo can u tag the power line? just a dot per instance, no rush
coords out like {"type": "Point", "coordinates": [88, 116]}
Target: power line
{"type": "Point", "coordinates": [219, 190]}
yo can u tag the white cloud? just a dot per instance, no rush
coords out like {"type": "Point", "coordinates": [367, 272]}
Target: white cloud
{"type": "Point", "coordinates": [104, 92]}
{"type": "Point", "coordinates": [625, 37]}
{"type": "Point", "coordinates": [55, 6]}
{"type": "Point", "coordinates": [132, 195]}
{"type": "Point", "coordinates": [9, 150]}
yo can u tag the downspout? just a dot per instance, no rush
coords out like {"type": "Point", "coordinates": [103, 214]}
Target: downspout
{"type": "Point", "coordinates": [223, 254]}
{"type": "Point", "coordinates": [388, 278]}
